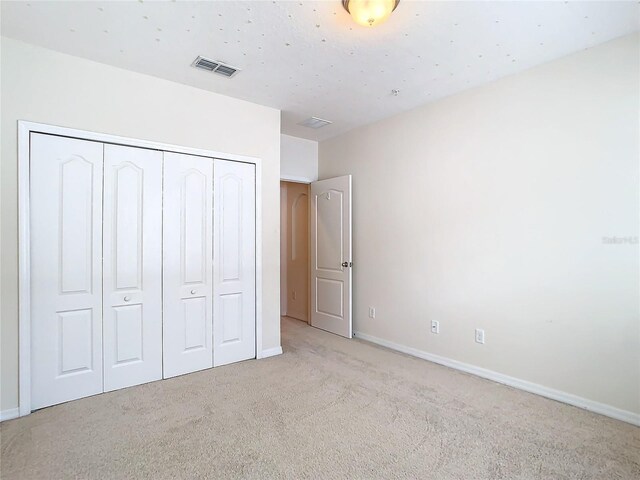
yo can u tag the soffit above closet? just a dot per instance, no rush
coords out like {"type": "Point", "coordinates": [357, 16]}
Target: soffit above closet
{"type": "Point", "coordinates": [308, 58]}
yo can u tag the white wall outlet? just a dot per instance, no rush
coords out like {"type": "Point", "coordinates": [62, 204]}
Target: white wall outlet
{"type": "Point", "coordinates": [479, 335]}
{"type": "Point", "coordinates": [435, 326]}
{"type": "Point", "coordinates": [372, 312]}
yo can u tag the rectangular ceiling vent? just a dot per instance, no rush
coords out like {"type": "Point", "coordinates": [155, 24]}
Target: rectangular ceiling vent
{"type": "Point", "coordinates": [220, 68]}
{"type": "Point", "coordinates": [315, 122]}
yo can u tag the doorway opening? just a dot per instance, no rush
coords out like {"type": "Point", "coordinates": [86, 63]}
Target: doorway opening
{"type": "Point", "coordinates": [315, 251]}
{"type": "Point", "coordinates": [295, 293]}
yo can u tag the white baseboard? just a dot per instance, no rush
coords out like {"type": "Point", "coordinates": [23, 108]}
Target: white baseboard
{"type": "Point", "coordinates": [271, 352]}
{"type": "Point", "coordinates": [9, 414]}
{"type": "Point", "coordinates": [568, 398]}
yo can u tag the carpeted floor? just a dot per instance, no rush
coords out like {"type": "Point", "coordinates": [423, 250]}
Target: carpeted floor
{"type": "Point", "coordinates": [329, 408]}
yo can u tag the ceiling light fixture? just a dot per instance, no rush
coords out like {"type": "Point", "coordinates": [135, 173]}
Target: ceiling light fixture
{"type": "Point", "coordinates": [370, 13]}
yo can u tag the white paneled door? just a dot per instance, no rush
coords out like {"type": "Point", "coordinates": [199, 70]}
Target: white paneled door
{"type": "Point", "coordinates": [188, 264]}
{"type": "Point", "coordinates": [331, 261]}
{"type": "Point", "coordinates": [132, 265]}
{"type": "Point", "coordinates": [142, 266]}
{"type": "Point", "coordinates": [234, 313]}
{"type": "Point", "coordinates": [66, 269]}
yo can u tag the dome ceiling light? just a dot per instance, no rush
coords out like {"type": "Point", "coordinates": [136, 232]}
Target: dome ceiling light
{"type": "Point", "coordinates": [370, 13]}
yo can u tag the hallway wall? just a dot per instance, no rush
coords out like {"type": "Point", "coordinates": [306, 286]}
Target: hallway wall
{"type": "Point", "coordinates": [295, 250]}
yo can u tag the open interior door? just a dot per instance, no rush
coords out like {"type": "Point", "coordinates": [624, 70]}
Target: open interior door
{"type": "Point", "coordinates": [331, 255]}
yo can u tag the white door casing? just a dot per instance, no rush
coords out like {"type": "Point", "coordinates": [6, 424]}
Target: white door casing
{"type": "Point", "coordinates": [132, 264]}
{"type": "Point", "coordinates": [66, 269]}
{"type": "Point", "coordinates": [234, 311]}
{"type": "Point", "coordinates": [187, 264]}
{"type": "Point", "coordinates": [331, 261]}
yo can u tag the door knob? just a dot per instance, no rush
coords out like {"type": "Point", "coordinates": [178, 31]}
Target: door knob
{"type": "Point", "coordinates": [193, 292]}
{"type": "Point", "coordinates": [345, 264]}
{"type": "Point", "coordinates": [127, 298]}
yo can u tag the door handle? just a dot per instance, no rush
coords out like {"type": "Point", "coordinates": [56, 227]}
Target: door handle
{"type": "Point", "coordinates": [347, 264]}
{"type": "Point", "coordinates": [127, 298]}
{"type": "Point", "coordinates": [193, 292]}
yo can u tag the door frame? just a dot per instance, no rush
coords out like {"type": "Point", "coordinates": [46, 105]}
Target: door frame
{"type": "Point", "coordinates": [25, 129]}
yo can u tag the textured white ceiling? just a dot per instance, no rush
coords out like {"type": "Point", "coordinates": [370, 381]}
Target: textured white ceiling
{"type": "Point", "coordinates": [308, 58]}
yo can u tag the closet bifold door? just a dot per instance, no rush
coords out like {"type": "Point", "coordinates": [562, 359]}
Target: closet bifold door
{"type": "Point", "coordinates": [132, 265]}
{"type": "Point", "coordinates": [66, 269]}
{"type": "Point", "coordinates": [187, 266]}
{"type": "Point", "coordinates": [234, 312]}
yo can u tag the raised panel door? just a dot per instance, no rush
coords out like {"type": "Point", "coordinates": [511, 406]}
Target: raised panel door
{"type": "Point", "coordinates": [187, 275]}
{"type": "Point", "coordinates": [132, 266]}
{"type": "Point", "coordinates": [234, 317]}
{"type": "Point", "coordinates": [66, 268]}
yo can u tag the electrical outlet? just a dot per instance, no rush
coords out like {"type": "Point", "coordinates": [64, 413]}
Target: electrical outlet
{"type": "Point", "coordinates": [435, 326]}
{"type": "Point", "coordinates": [372, 312]}
{"type": "Point", "coordinates": [479, 335]}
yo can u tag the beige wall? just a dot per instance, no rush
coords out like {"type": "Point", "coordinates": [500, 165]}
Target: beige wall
{"type": "Point", "coordinates": [44, 86]}
{"type": "Point", "coordinates": [298, 159]}
{"type": "Point", "coordinates": [488, 210]}
{"type": "Point", "coordinates": [295, 246]}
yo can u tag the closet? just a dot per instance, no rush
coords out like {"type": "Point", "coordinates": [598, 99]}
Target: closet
{"type": "Point", "coordinates": [142, 266]}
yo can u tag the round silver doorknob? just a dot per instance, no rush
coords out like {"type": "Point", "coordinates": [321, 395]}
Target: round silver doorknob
{"type": "Point", "coordinates": [193, 292]}
{"type": "Point", "coordinates": [126, 299]}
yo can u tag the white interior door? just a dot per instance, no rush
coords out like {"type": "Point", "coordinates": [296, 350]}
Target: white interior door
{"type": "Point", "coordinates": [132, 264]}
{"type": "Point", "coordinates": [66, 269]}
{"type": "Point", "coordinates": [187, 266]}
{"type": "Point", "coordinates": [331, 255]}
{"type": "Point", "coordinates": [234, 316]}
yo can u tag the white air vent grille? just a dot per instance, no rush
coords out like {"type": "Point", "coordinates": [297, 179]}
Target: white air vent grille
{"type": "Point", "coordinates": [226, 70]}
{"type": "Point", "coordinates": [220, 68]}
{"type": "Point", "coordinates": [315, 122]}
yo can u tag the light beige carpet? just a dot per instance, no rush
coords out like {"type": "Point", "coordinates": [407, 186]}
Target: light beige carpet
{"type": "Point", "coordinates": [329, 408]}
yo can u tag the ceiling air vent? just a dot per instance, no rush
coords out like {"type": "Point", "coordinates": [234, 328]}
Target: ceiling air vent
{"type": "Point", "coordinates": [215, 67]}
{"type": "Point", "coordinates": [226, 70]}
{"type": "Point", "coordinates": [315, 122]}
